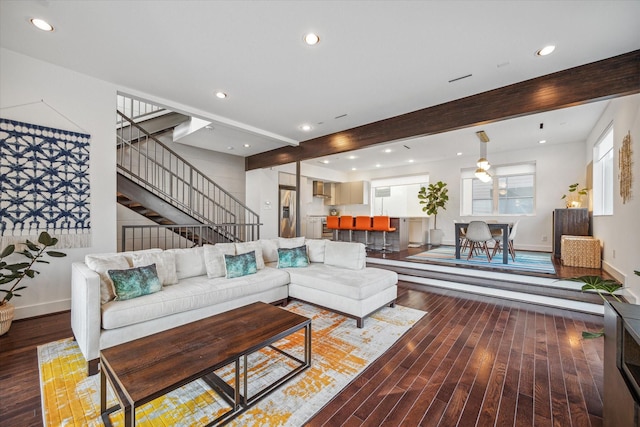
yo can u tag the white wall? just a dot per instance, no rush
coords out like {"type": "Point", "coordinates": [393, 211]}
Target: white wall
{"type": "Point", "coordinates": [90, 104]}
{"type": "Point", "coordinates": [620, 232]}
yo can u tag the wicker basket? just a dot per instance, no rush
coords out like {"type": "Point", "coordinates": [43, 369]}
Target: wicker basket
{"type": "Point", "coordinates": [6, 317]}
{"type": "Point", "coordinates": [580, 251]}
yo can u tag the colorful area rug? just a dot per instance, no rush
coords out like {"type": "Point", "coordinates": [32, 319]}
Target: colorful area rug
{"type": "Point", "coordinates": [340, 353]}
{"type": "Point", "coordinates": [538, 262]}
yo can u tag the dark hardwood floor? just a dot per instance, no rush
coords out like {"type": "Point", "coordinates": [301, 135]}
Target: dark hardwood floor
{"type": "Point", "coordinates": [471, 360]}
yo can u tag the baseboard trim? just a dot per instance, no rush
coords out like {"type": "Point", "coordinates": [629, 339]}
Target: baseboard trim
{"type": "Point", "coordinates": [35, 310]}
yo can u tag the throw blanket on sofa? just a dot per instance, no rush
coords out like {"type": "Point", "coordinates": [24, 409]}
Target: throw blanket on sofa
{"type": "Point", "coordinates": [45, 184]}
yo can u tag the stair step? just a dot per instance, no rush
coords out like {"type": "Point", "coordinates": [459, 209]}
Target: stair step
{"type": "Point", "coordinates": [536, 290]}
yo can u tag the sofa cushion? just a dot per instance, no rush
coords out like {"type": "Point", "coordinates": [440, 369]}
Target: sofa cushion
{"type": "Point", "coordinates": [189, 262]}
{"type": "Point", "coordinates": [190, 294]}
{"type": "Point", "coordinates": [165, 265]}
{"type": "Point", "coordinates": [255, 246]}
{"type": "Point", "coordinates": [134, 282]}
{"type": "Point", "coordinates": [214, 258]}
{"type": "Point", "coordinates": [240, 265]}
{"type": "Point", "coordinates": [101, 264]}
{"type": "Point", "coordinates": [290, 242]}
{"type": "Point", "coordinates": [315, 249]}
{"type": "Point", "coordinates": [357, 285]}
{"type": "Point", "coordinates": [349, 255]}
{"type": "Point", "coordinates": [294, 257]}
{"type": "Point", "coordinates": [269, 250]}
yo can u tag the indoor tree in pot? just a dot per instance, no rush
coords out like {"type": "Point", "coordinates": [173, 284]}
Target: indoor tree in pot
{"type": "Point", "coordinates": [434, 197]}
{"type": "Point", "coordinates": [11, 275]}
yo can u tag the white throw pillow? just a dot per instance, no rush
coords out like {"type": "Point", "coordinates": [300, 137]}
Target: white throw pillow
{"type": "Point", "coordinates": [245, 247]}
{"type": "Point", "coordinates": [290, 243]}
{"type": "Point", "coordinates": [165, 265]}
{"type": "Point", "coordinates": [214, 258]}
{"type": "Point", "coordinates": [269, 250]}
{"type": "Point", "coordinates": [349, 255]}
{"type": "Point", "coordinates": [315, 249]}
{"type": "Point", "coordinates": [100, 264]}
{"type": "Point", "coordinates": [189, 262]}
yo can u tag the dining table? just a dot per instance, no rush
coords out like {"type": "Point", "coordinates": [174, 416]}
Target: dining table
{"type": "Point", "coordinates": [505, 227]}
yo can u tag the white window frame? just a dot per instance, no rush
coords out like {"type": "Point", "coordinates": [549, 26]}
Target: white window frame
{"type": "Point", "coordinates": [467, 177]}
{"type": "Point", "coordinates": [603, 173]}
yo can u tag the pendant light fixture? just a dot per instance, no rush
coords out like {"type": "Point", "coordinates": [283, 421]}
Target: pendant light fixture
{"type": "Point", "coordinates": [482, 163]}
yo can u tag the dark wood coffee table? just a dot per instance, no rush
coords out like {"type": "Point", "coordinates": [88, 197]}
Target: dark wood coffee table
{"type": "Point", "coordinates": [142, 370]}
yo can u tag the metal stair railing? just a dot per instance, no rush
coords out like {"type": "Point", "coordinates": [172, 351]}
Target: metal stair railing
{"type": "Point", "coordinates": [137, 110]}
{"type": "Point", "coordinates": [176, 236]}
{"type": "Point", "coordinates": [149, 163]}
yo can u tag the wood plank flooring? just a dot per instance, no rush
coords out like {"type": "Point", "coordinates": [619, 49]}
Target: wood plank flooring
{"type": "Point", "coordinates": [471, 360]}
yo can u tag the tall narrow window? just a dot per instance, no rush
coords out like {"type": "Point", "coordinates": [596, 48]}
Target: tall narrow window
{"type": "Point", "coordinates": [603, 174]}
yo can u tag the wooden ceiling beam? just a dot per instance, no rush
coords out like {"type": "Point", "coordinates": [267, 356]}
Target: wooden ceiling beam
{"type": "Point", "coordinates": [608, 78]}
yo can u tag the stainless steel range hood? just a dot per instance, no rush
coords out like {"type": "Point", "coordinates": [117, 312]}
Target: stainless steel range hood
{"type": "Point", "coordinates": [319, 190]}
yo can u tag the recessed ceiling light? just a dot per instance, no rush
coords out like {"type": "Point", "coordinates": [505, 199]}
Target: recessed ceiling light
{"type": "Point", "coordinates": [247, 145]}
{"type": "Point", "coordinates": [229, 148]}
{"type": "Point", "coordinates": [209, 127]}
{"type": "Point", "coordinates": [388, 150]}
{"type": "Point", "coordinates": [459, 153]}
{"type": "Point", "coordinates": [221, 95]}
{"type": "Point", "coordinates": [306, 128]}
{"type": "Point", "coordinates": [410, 160]}
{"type": "Point", "coordinates": [311, 39]}
{"type": "Point", "coordinates": [326, 162]}
{"type": "Point", "coordinates": [546, 50]}
{"type": "Point", "coordinates": [351, 157]}
{"type": "Point", "coordinates": [378, 165]}
{"type": "Point", "coordinates": [353, 169]}
{"type": "Point", "coordinates": [542, 141]}
{"type": "Point", "coordinates": [41, 24]}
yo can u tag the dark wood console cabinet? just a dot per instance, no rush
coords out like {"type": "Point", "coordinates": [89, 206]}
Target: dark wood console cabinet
{"type": "Point", "coordinates": [572, 222]}
{"type": "Point", "coordinates": [621, 365]}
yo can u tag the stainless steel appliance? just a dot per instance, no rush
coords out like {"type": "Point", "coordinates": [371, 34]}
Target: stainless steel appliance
{"type": "Point", "coordinates": [287, 211]}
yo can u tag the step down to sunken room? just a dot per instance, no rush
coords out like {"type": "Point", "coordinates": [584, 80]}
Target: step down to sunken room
{"type": "Point", "coordinates": [530, 289]}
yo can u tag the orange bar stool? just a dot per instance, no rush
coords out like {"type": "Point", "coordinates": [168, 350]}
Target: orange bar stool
{"type": "Point", "coordinates": [346, 223]}
{"type": "Point", "coordinates": [363, 223]}
{"type": "Point", "coordinates": [383, 224]}
{"type": "Point", "coordinates": [333, 223]}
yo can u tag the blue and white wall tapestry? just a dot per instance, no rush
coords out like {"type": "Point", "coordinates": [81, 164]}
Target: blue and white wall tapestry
{"type": "Point", "coordinates": [44, 184]}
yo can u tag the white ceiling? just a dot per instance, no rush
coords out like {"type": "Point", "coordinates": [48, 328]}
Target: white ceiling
{"type": "Point", "coordinates": [376, 59]}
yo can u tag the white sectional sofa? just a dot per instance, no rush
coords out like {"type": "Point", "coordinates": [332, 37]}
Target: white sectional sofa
{"type": "Point", "coordinates": [195, 285]}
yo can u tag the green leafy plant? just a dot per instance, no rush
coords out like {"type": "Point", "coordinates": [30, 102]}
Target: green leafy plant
{"type": "Point", "coordinates": [11, 275]}
{"type": "Point", "coordinates": [434, 198]}
{"type": "Point", "coordinates": [575, 188]}
{"type": "Point", "coordinates": [602, 287]}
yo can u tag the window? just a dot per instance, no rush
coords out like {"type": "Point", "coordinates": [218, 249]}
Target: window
{"type": "Point", "coordinates": [510, 192]}
{"type": "Point", "coordinates": [603, 174]}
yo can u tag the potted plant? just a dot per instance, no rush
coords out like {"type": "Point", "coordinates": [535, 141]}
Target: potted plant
{"type": "Point", "coordinates": [574, 199]}
{"type": "Point", "coordinates": [434, 197]}
{"type": "Point", "coordinates": [602, 287]}
{"type": "Point", "coordinates": [11, 275]}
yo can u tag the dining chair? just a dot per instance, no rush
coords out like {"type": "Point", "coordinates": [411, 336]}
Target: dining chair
{"type": "Point", "coordinates": [346, 223]}
{"type": "Point", "coordinates": [512, 236]}
{"type": "Point", "coordinates": [478, 234]}
{"type": "Point", "coordinates": [464, 243]}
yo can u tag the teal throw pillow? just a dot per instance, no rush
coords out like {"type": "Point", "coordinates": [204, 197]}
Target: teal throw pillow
{"type": "Point", "coordinates": [135, 282]}
{"type": "Point", "coordinates": [294, 257]}
{"type": "Point", "coordinates": [240, 265]}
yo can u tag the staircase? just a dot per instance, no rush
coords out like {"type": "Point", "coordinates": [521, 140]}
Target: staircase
{"type": "Point", "coordinates": [157, 183]}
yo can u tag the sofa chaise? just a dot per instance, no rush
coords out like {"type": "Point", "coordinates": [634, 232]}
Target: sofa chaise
{"type": "Point", "coordinates": [109, 306]}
